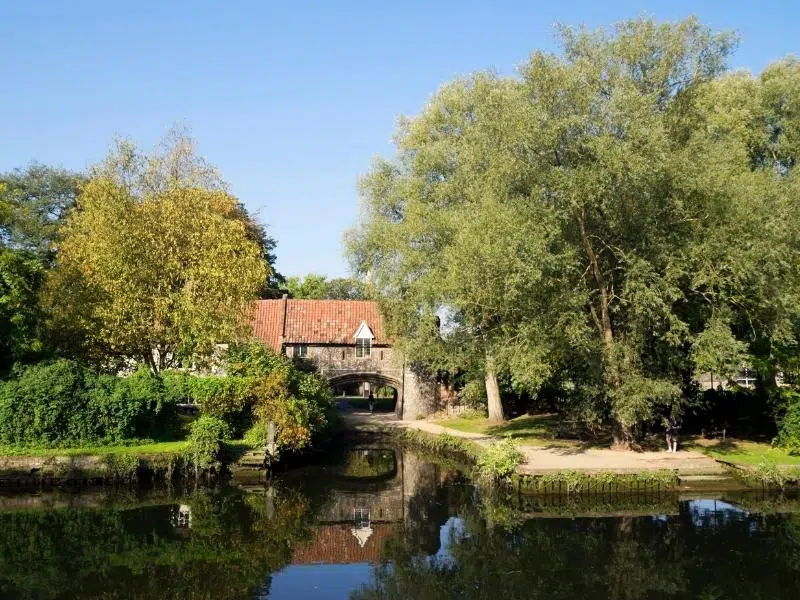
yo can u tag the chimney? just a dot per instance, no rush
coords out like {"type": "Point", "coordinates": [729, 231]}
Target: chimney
{"type": "Point", "coordinates": [284, 307]}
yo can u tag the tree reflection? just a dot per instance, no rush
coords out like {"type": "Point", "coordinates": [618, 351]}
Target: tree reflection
{"type": "Point", "coordinates": [234, 541]}
{"type": "Point", "coordinates": [726, 553]}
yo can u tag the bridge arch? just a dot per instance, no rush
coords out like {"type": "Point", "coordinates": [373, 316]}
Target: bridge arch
{"type": "Point", "coordinates": [375, 379]}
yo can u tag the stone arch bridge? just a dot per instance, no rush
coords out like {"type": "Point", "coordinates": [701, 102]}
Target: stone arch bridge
{"type": "Point", "coordinates": [346, 341]}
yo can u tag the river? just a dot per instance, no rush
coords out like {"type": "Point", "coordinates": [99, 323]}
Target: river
{"type": "Point", "coordinates": [378, 521]}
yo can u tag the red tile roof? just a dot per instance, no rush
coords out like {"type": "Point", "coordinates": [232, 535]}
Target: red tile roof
{"type": "Point", "coordinates": [336, 544]}
{"type": "Point", "coordinates": [316, 321]}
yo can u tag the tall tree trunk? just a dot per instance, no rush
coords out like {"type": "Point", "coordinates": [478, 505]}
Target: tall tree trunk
{"type": "Point", "coordinates": [622, 435]}
{"type": "Point", "coordinates": [493, 396]}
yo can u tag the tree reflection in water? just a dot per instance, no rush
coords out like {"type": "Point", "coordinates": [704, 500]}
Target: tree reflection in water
{"type": "Point", "coordinates": [705, 550]}
{"type": "Point", "coordinates": [432, 535]}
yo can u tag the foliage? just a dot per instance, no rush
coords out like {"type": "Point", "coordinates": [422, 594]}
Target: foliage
{"type": "Point", "coordinates": [789, 432]}
{"type": "Point", "coordinates": [768, 474]}
{"type": "Point", "coordinates": [35, 200]}
{"type": "Point", "coordinates": [227, 397]}
{"type": "Point", "coordinates": [576, 482]}
{"type": "Point", "coordinates": [122, 466]}
{"type": "Point", "coordinates": [20, 277]}
{"type": "Point", "coordinates": [205, 440]}
{"type": "Point", "coordinates": [258, 435]}
{"type": "Point", "coordinates": [441, 445]}
{"type": "Point", "coordinates": [319, 287]}
{"type": "Point", "coordinates": [143, 269]}
{"type": "Point", "coordinates": [473, 394]}
{"type": "Point", "coordinates": [639, 207]}
{"type": "Point", "coordinates": [499, 461]}
{"type": "Point", "coordinates": [717, 351]}
{"type": "Point", "coordinates": [63, 403]}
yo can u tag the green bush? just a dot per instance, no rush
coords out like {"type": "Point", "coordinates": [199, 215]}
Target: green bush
{"type": "Point", "coordinates": [789, 432]}
{"type": "Point", "coordinates": [64, 403]}
{"type": "Point", "coordinates": [205, 440]}
{"type": "Point", "coordinates": [258, 435]}
{"type": "Point", "coordinates": [499, 460]}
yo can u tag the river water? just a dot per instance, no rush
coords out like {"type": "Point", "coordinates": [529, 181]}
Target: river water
{"type": "Point", "coordinates": [382, 522]}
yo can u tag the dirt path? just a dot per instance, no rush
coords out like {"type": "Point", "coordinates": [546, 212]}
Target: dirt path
{"type": "Point", "coordinates": [544, 460]}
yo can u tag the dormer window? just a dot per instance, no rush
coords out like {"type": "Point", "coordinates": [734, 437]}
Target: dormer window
{"type": "Point", "coordinates": [363, 347]}
{"type": "Point", "coordinates": [364, 339]}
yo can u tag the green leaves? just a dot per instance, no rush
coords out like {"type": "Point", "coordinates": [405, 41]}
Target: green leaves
{"type": "Point", "coordinates": [587, 220]}
{"type": "Point", "coordinates": [145, 266]}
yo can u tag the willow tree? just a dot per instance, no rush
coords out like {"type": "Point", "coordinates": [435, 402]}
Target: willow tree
{"type": "Point", "coordinates": [155, 263]}
{"type": "Point", "coordinates": [593, 217]}
{"type": "Point", "coordinates": [452, 241]}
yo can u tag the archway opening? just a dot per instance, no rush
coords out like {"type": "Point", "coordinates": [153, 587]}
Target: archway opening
{"type": "Point", "coordinates": [366, 394]}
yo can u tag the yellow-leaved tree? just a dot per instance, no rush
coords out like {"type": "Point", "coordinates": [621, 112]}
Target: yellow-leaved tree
{"type": "Point", "coordinates": [156, 263]}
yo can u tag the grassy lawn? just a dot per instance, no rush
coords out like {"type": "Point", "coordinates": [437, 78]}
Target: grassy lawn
{"type": "Point", "coordinates": [742, 452]}
{"type": "Point", "coordinates": [529, 430]}
{"type": "Point", "coordinates": [151, 448]}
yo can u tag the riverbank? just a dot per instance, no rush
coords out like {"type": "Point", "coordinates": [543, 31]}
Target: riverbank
{"type": "Point", "coordinates": [25, 467]}
{"type": "Point", "coordinates": [543, 460]}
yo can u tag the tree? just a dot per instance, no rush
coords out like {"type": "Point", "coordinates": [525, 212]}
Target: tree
{"type": "Point", "coordinates": [312, 286]}
{"type": "Point", "coordinates": [319, 287]}
{"type": "Point", "coordinates": [20, 278]}
{"type": "Point", "coordinates": [579, 221]}
{"type": "Point", "coordinates": [156, 263]}
{"type": "Point", "coordinates": [32, 203]}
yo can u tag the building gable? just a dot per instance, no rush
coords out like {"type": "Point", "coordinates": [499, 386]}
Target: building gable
{"type": "Point", "coordinates": [325, 322]}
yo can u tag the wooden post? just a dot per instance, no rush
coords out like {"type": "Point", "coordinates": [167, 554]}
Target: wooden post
{"type": "Point", "coordinates": [271, 438]}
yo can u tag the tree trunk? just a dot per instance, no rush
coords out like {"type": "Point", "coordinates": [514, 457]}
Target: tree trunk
{"type": "Point", "coordinates": [622, 436]}
{"type": "Point", "coordinates": [493, 396]}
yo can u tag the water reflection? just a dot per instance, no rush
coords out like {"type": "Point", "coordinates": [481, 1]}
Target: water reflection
{"type": "Point", "coordinates": [381, 523]}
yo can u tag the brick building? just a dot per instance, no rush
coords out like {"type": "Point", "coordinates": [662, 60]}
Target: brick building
{"type": "Point", "coordinates": [347, 342]}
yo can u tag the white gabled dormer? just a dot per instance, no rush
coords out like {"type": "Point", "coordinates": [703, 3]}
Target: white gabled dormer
{"type": "Point", "coordinates": [364, 337]}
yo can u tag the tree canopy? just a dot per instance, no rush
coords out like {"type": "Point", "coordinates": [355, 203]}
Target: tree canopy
{"type": "Point", "coordinates": [587, 223]}
{"type": "Point", "coordinates": [319, 287]}
{"type": "Point", "coordinates": [144, 269]}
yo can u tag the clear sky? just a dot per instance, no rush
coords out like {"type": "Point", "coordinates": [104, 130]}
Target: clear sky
{"type": "Point", "coordinates": [291, 99]}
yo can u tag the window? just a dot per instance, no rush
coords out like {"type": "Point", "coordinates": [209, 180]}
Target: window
{"type": "Point", "coordinates": [746, 378]}
{"type": "Point", "coordinates": [363, 347]}
{"type": "Point", "coordinates": [301, 351]}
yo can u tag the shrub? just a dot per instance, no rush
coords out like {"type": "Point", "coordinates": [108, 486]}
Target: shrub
{"type": "Point", "coordinates": [473, 395]}
{"type": "Point", "coordinates": [258, 435]}
{"type": "Point", "coordinates": [205, 440]}
{"type": "Point", "coordinates": [499, 460]}
{"type": "Point", "coordinates": [789, 432]}
{"type": "Point", "coordinates": [64, 403]}
{"type": "Point", "coordinates": [228, 398]}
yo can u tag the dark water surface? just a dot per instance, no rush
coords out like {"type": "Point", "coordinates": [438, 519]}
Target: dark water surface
{"type": "Point", "coordinates": [385, 523]}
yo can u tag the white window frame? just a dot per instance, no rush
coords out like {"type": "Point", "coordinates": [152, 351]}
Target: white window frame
{"type": "Point", "coordinates": [300, 351]}
{"type": "Point", "coordinates": [363, 347]}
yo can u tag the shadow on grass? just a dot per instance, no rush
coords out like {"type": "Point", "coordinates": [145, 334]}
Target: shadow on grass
{"type": "Point", "coordinates": [547, 431]}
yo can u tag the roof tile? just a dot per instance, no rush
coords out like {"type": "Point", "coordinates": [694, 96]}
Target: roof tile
{"type": "Point", "coordinates": [316, 321]}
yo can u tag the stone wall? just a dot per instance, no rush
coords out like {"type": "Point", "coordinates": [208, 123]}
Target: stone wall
{"type": "Point", "coordinates": [418, 392]}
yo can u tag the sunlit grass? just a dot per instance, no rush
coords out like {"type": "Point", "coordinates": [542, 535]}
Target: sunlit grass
{"type": "Point", "coordinates": [529, 430]}
{"type": "Point", "coordinates": [743, 452]}
{"type": "Point", "coordinates": [145, 448]}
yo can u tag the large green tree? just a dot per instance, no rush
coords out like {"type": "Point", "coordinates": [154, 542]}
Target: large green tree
{"type": "Point", "coordinates": [158, 262]}
{"type": "Point", "coordinates": [592, 218]}
{"type": "Point", "coordinates": [33, 201]}
{"type": "Point", "coordinates": [318, 287]}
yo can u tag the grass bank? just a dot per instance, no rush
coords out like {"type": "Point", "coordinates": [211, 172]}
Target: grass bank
{"type": "Point", "coordinates": [146, 448]}
{"type": "Point", "coordinates": [741, 452]}
{"type": "Point", "coordinates": [528, 430]}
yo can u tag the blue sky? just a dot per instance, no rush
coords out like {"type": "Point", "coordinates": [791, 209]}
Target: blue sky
{"type": "Point", "coordinates": [290, 99]}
